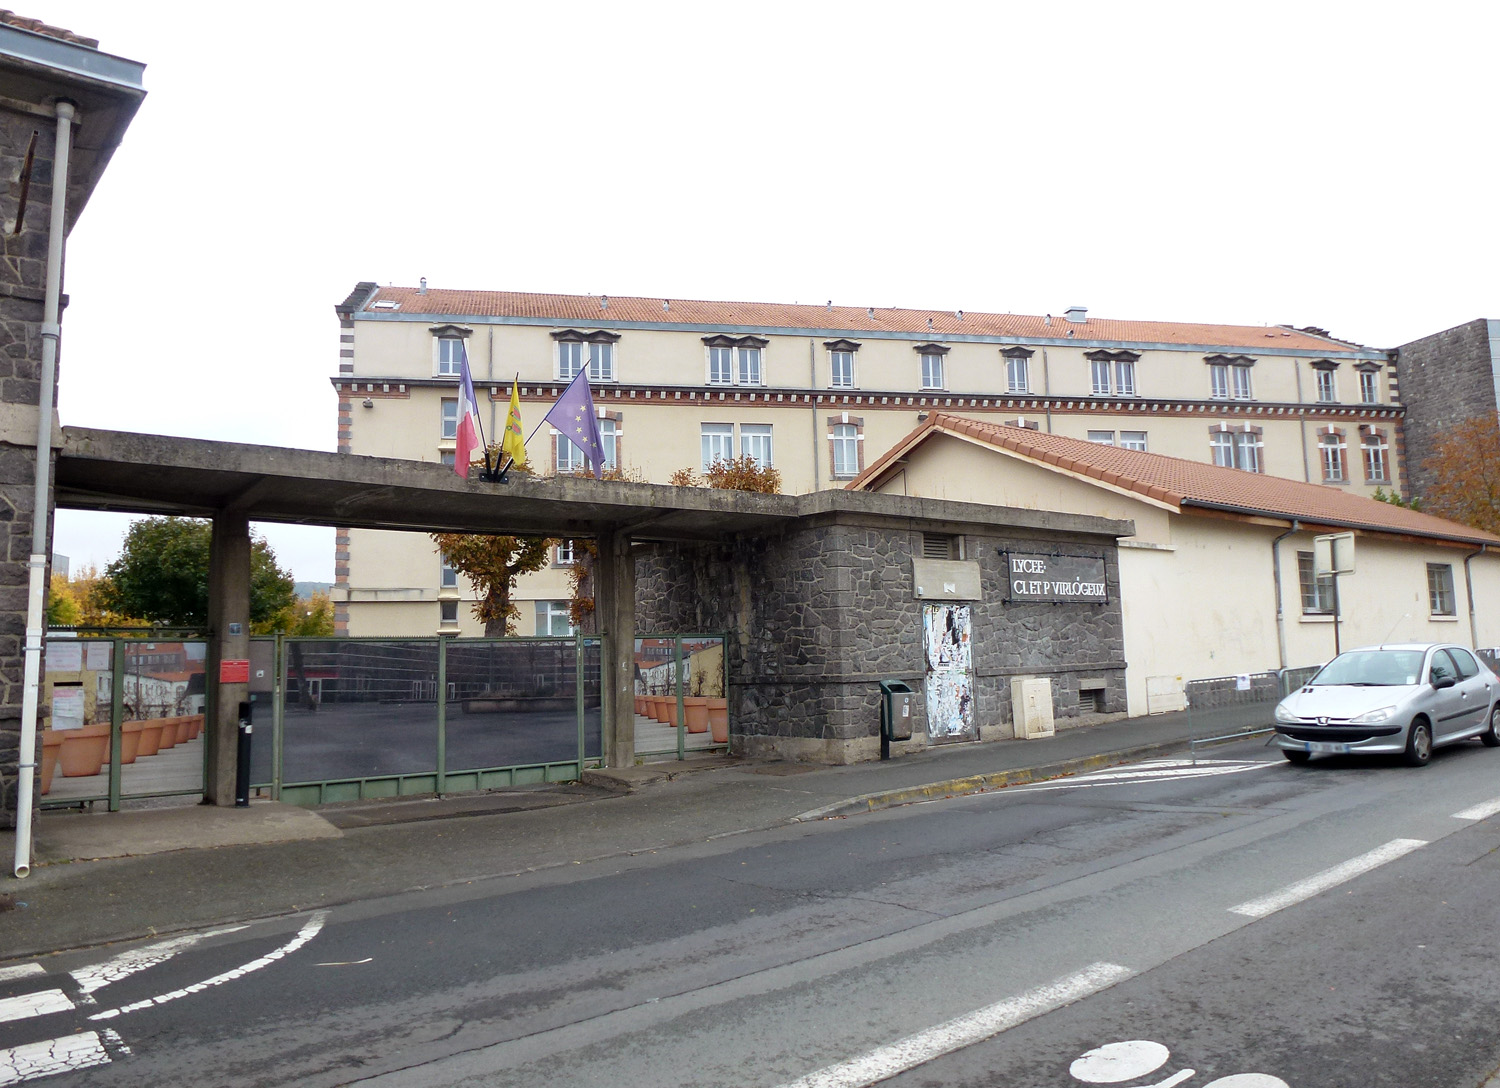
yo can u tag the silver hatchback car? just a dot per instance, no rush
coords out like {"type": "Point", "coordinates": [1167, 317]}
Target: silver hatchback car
{"type": "Point", "coordinates": [1399, 700]}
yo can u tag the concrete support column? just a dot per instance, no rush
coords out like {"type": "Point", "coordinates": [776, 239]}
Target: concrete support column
{"type": "Point", "coordinates": [228, 640]}
{"type": "Point", "coordinates": [614, 606]}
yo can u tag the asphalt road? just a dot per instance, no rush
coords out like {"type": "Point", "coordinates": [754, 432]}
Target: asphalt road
{"type": "Point", "coordinates": [1149, 925]}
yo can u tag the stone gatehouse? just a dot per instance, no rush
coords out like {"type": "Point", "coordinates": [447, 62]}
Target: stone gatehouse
{"type": "Point", "coordinates": [817, 613]}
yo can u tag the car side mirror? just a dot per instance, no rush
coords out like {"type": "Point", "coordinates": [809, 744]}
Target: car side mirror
{"type": "Point", "coordinates": [1444, 682]}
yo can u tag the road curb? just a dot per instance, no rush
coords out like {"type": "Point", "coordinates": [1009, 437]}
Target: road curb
{"type": "Point", "coordinates": [982, 783]}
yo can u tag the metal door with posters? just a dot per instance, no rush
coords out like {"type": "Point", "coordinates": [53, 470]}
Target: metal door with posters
{"type": "Point", "coordinates": [949, 674]}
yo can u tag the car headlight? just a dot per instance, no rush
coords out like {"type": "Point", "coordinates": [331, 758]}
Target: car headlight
{"type": "Point", "coordinates": [1283, 714]}
{"type": "Point", "coordinates": [1370, 717]}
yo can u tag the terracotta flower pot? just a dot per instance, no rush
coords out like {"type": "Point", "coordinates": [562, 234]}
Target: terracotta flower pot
{"type": "Point", "coordinates": [671, 710]}
{"type": "Point", "coordinates": [84, 751]}
{"type": "Point", "coordinates": [639, 703]}
{"type": "Point", "coordinates": [695, 710]}
{"type": "Point", "coordinates": [150, 738]}
{"type": "Point", "coordinates": [195, 726]}
{"type": "Point", "coordinates": [52, 740]}
{"type": "Point", "coordinates": [659, 708]}
{"type": "Point", "coordinates": [168, 733]}
{"type": "Point", "coordinates": [718, 720]}
{"type": "Point", "coordinates": [130, 741]}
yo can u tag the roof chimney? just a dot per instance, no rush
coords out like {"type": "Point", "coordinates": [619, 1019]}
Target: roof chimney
{"type": "Point", "coordinates": [603, 302]}
{"type": "Point", "coordinates": [1078, 314]}
{"type": "Point", "coordinates": [423, 289]}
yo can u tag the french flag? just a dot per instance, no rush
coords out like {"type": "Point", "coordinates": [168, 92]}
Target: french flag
{"type": "Point", "coordinates": [468, 439]}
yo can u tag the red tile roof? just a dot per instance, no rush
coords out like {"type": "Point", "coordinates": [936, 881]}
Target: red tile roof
{"type": "Point", "coordinates": [595, 311]}
{"type": "Point", "coordinates": [36, 26]}
{"type": "Point", "coordinates": [1187, 484]}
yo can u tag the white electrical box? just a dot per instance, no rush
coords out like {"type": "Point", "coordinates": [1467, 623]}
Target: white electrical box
{"type": "Point", "coordinates": [1031, 706]}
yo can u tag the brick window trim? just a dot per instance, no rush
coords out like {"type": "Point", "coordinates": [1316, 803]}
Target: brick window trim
{"type": "Point", "coordinates": [858, 423]}
{"type": "Point", "coordinates": [1235, 428]}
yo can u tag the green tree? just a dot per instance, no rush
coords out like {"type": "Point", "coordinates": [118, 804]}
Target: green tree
{"type": "Point", "coordinates": [63, 609]}
{"type": "Point", "coordinates": [161, 575]}
{"type": "Point", "coordinates": [492, 564]}
{"type": "Point", "coordinates": [305, 617]}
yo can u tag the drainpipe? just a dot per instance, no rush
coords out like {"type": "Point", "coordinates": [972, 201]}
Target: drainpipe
{"type": "Point", "coordinates": [1047, 388]}
{"type": "Point", "coordinates": [36, 599]}
{"type": "Point", "coordinates": [1302, 421]}
{"type": "Point", "coordinates": [812, 386]}
{"type": "Point", "coordinates": [1276, 574]}
{"type": "Point", "coordinates": [1469, 585]}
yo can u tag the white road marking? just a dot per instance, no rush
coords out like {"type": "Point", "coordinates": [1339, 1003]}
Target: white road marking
{"type": "Point", "coordinates": [21, 970]}
{"type": "Point", "coordinates": [1328, 878]}
{"type": "Point", "coordinates": [305, 934]}
{"type": "Point", "coordinates": [1115, 1062]}
{"type": "Point", "coordinates": [962, 1031]}
{"type": "Point", "coordinates": [1179, 773]}
{"type": "Point", "coordinates": [138, 959]}
{"type": "Point", "coordinates": [41, 1003]}
{"type": "Point", "coordinates": [63, 1055]}
{"type": "Point", "coordinates": [1479, 812]}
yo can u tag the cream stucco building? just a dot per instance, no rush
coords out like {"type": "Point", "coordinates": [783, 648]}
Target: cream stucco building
{"type": "Point", "coordinates": [1219, 578]}
{"type": "Point", "coordinates": [817, 391]}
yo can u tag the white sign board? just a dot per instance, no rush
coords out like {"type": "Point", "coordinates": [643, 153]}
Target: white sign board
{"type": "Point", "coordinates": [1333, 554]}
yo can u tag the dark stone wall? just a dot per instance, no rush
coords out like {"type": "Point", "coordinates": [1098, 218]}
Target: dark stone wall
{"type": "Point", "coordinates": [817, 617]}
{"type": "Point", "coordinates": [23, 270]}
{"type": "Point", "coordinates": [1444, 379]}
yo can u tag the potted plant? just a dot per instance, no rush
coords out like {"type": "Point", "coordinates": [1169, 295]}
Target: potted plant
{"type": "Point", "coordinates": [84, 750]}
{"type": "Point", "coordinates": [52, 740]}
{"type": "Point", "coordinates": [150, 738]}
{"type": "Point", "coordinates": [695, 705]}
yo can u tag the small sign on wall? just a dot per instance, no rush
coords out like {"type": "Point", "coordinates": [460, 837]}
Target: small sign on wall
{"type": "Point", "coordinates": [1035, 577]}
{"type": "Point", "coordinates": [234, 671]}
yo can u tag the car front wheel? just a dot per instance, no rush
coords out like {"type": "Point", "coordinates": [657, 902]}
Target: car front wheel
{"type": "Point", "coordinates": [1419, 744]}
{"type": "Point", "coordinates": [1491, 737]}
{"type": "Point", "coordinates": [1296, 755]}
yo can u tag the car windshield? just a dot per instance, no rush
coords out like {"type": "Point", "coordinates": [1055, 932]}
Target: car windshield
{"type": "Point", "coordinates": [1371, 668]}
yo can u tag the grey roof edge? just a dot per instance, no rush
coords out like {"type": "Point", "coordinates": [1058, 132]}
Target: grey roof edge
{"type": "Point", "coordinates": [93, 66]}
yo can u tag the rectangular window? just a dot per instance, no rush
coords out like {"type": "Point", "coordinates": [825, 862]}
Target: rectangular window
{"type": "Point", "coordinates": [1241, 377]}
{"type": "Point", "coordinates": [749, 365]}
{"type": "Point", "coordinates": [1247, 452]}
{"type": "Point", "coordinates": [1222, 444]}
{"type": "Point", "coordinates": [932, 372]}
{"type": "Point", "coordinates": [448, 613]}
{"type": "Point", "coordinates": [1317, 593]}
{"type": "Point", "coordinates": [1440, 589]}
{"type": "Point", "coordinates": [1331, 451]}
{"type": "Point", "coordinates": [449, 578]}
{"type": "Point", "coordinates": [563, 554]}
{"type": "Point", "coordinates": [446, 457]}
{"type": "Point", "coordinates": [718, 443]}
{"type": "Point", "coordinates": [1218, 379]}
{"type": "Point", "coordinates": [841, 367]}
{"type": "Point", "coordinates": [450, 418]}
{"type": "Point", "coordinates": [1100, 368]}
{"type": "Point", "coordinates": [609, 434]}
{"type": "Point", "coordinates": [601, 362]}
{"type": "Point", "coordinates": [720, 366]}
{"type": "Point", "coordinates": [1327, 388]}
{"type": "Point", "coordinates": [1015, 373]}
{"type": "Point", "coordinates": [845, 450]}
{"type": "Point", "coordinates": [450, 355]}
{"type": "Point", "coordinates": [552, 618]}
{"type": "Point", "coordinates": [755, 442]}
{"type": "Point", "coordinates": [1133, 440]}
{"type": "Point", "coordinates": [1104, 438]}
{"type": "Point", "coordinates": [570, 458]}
{"type": "Point", "coordinates": [1125, 377]}
{"type": "Point", "coordinates": [569, 359]}
{"type": "Point", "coordinates": [1369, 387]}
{"type": "Point", "coordinates": [1374, 449]}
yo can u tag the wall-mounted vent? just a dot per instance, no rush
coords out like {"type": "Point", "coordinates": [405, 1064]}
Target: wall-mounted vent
{"type": "Point", "coordinates": [941, 546]}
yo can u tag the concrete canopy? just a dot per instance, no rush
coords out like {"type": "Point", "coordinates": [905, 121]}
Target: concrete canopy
{"type": "Point", "coordinates": [156, 474]}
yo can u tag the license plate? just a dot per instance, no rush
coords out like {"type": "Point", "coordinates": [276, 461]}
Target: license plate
{"type": "Point", "coordinates": [1326, 748]}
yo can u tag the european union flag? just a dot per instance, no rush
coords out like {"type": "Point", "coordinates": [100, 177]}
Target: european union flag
{"type": "Point", "coordinates": [573, 415]}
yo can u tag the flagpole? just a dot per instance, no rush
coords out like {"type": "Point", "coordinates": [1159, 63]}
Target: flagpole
{"type": "Point", "coordinates": [478, 422]}
{"type": "Point", "coordinates": [500, 476]}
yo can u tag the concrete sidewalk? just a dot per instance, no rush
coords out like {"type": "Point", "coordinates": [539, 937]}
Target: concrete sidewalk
{"type": "Point", "coordinates": [109, 876]}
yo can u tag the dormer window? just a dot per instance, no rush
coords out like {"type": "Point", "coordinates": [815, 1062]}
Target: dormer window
{"type": "Point", "coordinates": [932, 365]}
{"type": "Point", "coordinates": [1018, 369]}
{"type": "Point", "coordinates": [1229, 376]}
{"type": "Point", "coordinates": [841, 363]}
{"type": "Point", "coordinates": [1113, 372]}
{"type": "Point", "coordinates": [1327, 372]}
{"type": "Point", "coordinates": [735, 360]}
{"type": "Point", "coordinates": [596, 350]}
{"type": "Point", "coordinates": [448, 349]}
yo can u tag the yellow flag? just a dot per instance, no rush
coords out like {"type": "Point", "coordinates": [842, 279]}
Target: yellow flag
{"type": "Point", "coordinates": [514, 442]}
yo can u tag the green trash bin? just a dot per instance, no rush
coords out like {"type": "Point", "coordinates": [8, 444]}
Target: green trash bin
{"type": "Point", "coordinates": [897, 706]}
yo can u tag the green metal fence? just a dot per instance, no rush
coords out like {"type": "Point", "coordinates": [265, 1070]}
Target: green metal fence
{"type": "Point", "coordinates": [680, 686]}
{"type": "Point", "coordinates": [350, 719]}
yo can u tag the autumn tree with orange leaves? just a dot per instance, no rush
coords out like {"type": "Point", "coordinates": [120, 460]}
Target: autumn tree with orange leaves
{"type": "Point", "coordinates": [1465, 467]}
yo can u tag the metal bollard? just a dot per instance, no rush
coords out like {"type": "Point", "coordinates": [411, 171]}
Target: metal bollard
{"type": "Point", "coordinates": [242, 760]}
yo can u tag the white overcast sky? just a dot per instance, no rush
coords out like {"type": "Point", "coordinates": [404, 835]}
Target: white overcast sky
{"type": "Point", "coordinates": [1319, 164]}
